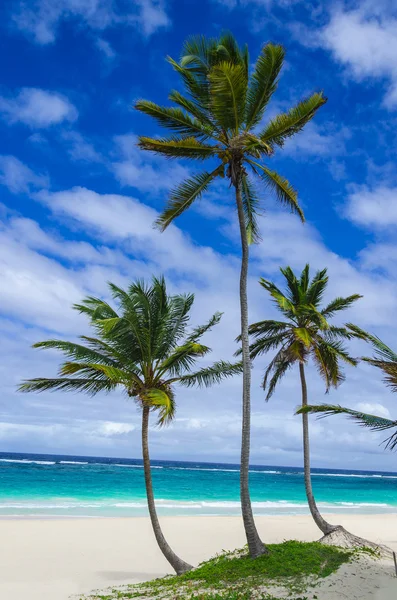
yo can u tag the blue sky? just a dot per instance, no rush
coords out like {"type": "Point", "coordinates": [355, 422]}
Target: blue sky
{"type": "Point", "coordinates": [78, 201]}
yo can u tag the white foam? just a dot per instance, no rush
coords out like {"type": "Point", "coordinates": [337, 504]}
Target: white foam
{"type": "Point", "coordinates": [25, 461]}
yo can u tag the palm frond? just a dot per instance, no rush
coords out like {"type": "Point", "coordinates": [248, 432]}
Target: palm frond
{"type": "Point", "coordinates": [288, 124]}
{"type": "Point", "coordinates": [76, 351]}
{"type": "Point", "coordinates": [64, 384]}
{"type": "Point", "coordinates": [188, 147]}
{"type": "Point", "coordinates": [183, 196]}
{"type": "Point", "coordinates": [339, 304]}
{"type": "Point", "coordinates": [251, 206]}
{"type": "Point", "coordinates": [263, 82]}
{"type": "Point", "coordinates": [175, 119]}
{"type": "Point", "coordinates": [280, 186]}
{"type": "Point", "coordinates": [294, 285]}
{"type": "Point", "coordinates": [199, 331]}
{"type": "Point", "coordinates": [284, 304]}
{"type": "Point", "coordinates": [197, 113]}
{"type": "Point", "coordinates": [372, 422]}
{"type": "Point", "coordinates": [198, 88]}
{"type": "Point", "coordinates": [181, 359]}
{"type": "Point", "coordinates": [276, 370]}
{"type": "Point", "coordinates": [265, 343]}
{"type": "Point", "coordinates": [228, 89]}
{"type": "Point", "coordinates": [317, 288]}
{"type": "Point", "coordinates": [210, 375]}
{"type": "Point", "coordinates": [161, 400]}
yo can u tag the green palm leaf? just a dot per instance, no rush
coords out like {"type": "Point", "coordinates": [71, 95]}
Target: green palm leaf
{"type": "Point", "coordinates": [251, 209]}
{"type": "Point", "coordinates": [183, 196]}
{"type": "Point", "coordinates": [283, 190]}
{"type": "Point", "coordinates": [372, 422]}
{"type": "Point", "coordinates": [228, 89]}
{"type": "Point", "coordinates": [162, 401]}
{"type": "Point", "coordinates": [198, 332]}
{"type": "Point", "coordinates": [263, 82]}
{"type": "Point", "coordinates": [339, 304]}
{"type": "Point", "coordinates": [289, 124]}
{"type": "Point", "coordinates": [174, 119]}
{"type": "Point", "coordinates": [64, 384]}
{"type": "Point", "coordinates": [188, 148]}
{"type": "Point", "coordinates": [213, 374]}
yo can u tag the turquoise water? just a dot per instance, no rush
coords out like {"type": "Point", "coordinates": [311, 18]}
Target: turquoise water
{"type": "Point", "coordinates": [47, 485]}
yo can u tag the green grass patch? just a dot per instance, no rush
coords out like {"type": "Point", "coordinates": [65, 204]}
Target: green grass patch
{"type": "Point", "coordinates": [289, 559]}
{"type": "Point", "coordinates": [236, 576]}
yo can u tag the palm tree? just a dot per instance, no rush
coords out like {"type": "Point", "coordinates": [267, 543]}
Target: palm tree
{"type": "Point", "coordinates": [384, 359]}
{"type": "Point", "coordinates": [305, 334]}
{"type": "Point", "coordinates": [219, 118]}
{"type": "Point", "coordinates": [144, 349]}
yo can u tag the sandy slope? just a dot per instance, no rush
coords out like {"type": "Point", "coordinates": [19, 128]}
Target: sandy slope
{"type": "Point", "coordinates": [52, 559]}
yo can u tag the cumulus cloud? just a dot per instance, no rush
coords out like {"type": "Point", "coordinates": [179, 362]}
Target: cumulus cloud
{"type": "Point", "coordinates": [43, 274]}
{"type": "Point", "coordinates": [40, 19]}
{"type": "Point", "coordinates": [363, 39]}
{"type": "Point", "coordinates": [373, 409]}
{"type": "Point", "coordinates": [37, 108]}
{"type": "Point", "coordinates": [373, 207]}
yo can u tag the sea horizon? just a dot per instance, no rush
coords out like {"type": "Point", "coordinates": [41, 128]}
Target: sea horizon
{"type": "Point", "coordinates": [64, 485]}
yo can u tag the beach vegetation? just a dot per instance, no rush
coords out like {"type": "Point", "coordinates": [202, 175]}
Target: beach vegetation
{"type": "Point", "coordinates": [220, 118]}
{"type": "Point", "coordinates": [145, 348]}
{"type": "Point", "coordinates": [292, 566]}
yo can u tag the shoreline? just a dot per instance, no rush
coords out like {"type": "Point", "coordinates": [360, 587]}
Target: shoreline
{"type": "Point", "coordinates": [51, 559]}
{"type": "Point", "coordinates": [330, 516]}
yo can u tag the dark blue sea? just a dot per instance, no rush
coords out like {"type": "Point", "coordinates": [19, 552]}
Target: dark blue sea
{"type": "Point", "coordinates": [76, 486]}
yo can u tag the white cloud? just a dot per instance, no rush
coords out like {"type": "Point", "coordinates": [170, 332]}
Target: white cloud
{"type": "Point", "coordinates": [134, 168]}
{"type": "Point", "coordinates": [40, 19]}
{"type": "Point", "coordinates": [37, 108]}
{"type": "Point", "coordinates": [79, 149]}
{"type": "Point", "coordinates": [376, 207]}
{"type": "Point", "coordinates": [39, 289]}
{"type": "Point", "coordinates": [364, 40]}
{"type": "Point", "coordinates": [18, 177]}
{"type": "Point", "coordinates": [373, 409]}
{"type": "Point", "coordinates": [319, 141]}
{"type": "Point", "coordinates": [110, 428]}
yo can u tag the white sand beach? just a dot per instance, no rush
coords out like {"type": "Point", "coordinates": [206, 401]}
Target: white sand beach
{"type": "Point", "coordinates": [53, 559]}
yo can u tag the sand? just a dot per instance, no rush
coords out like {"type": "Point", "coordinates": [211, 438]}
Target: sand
{"type": "Point", "coordinates": [55, 558]}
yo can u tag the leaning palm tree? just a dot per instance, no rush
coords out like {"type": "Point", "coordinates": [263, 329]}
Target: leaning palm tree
{"type": "Point", "coordinates": [219, 118]}
{"type": "Point", "coordinates": [384, 359]}
{"type": "Point", "coordinates": [304, 335]}
{"type": "Point", "coordinates": [144, 348]}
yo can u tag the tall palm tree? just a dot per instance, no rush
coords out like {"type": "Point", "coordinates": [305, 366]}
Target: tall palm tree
{"type": "Point", "coordinates": [219, 118]}
{"type": "Point", "coordinates": [384, 359]}
{"type": "Point", "coordinates": [305, 334]}
{"type": "Point", "coordinates": [145, 349]}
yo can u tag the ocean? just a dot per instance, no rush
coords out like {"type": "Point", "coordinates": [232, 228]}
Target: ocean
{"type": "Point", "coordinates": [39, 485]}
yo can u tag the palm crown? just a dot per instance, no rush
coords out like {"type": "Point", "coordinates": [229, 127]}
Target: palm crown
{"type": "Point", "coordinates": [220, 118]}
{"type": "Point", "coordinates": [144, 348]}
{"type": "Point", "coordinates": [306, 332]}
{"type": "Point", "coordinates": [384, 359]}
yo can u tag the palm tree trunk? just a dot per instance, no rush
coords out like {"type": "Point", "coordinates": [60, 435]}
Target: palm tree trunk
{"type": "Point", "coordinates": [318, 519]}
{"type": "Point", "coordinates": [179, 565]}
{"type": "Point", "coordinates": [255, 545]}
